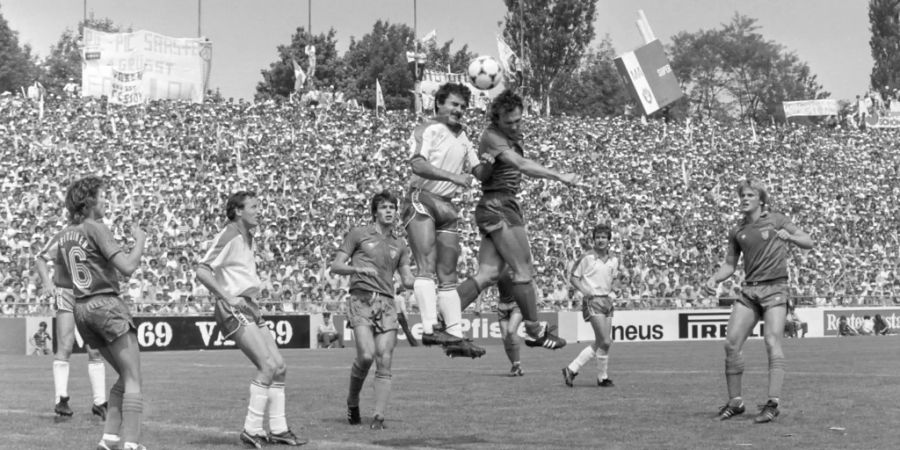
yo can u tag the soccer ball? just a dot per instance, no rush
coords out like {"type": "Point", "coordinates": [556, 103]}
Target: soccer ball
{"type": "Point", "coordinates": [484, 72]}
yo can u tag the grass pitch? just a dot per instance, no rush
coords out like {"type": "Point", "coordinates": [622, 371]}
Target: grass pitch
{"type": "Point", "coordinates": [839, 393]}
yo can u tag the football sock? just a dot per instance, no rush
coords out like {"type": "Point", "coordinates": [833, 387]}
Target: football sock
{"type": "Point", "coordinates": [526, 298]}
{"type": "Point", "coordinates": [111, 437]}
{"type": "Point", "coordinates": [61, 378]}
{"type": "Point", "coordinates": [602, 365]}
{"type": "Point", "coordinates": [511, 346]}
{"type": "Point", "coordinates": [114, 409]}
{"type": "Point", "coordinates": [277, 421]}
{"type": "Point", "coordinates": [382, 391]}
{"type": "Point", "coordinates": [735, 401]}
{"type": "Point", "coordinates": [97, 375]}
{"type": "Point", "coordinates": [468, 291]}
{"type": "Point", "coordinates": [449, 304]}
{"type": "Point", "coordinates": [357, 378]}
{"type": "Point", "coordinates": [132, 409]}
{"type": "Point", "coordinates": [581, 359]}
{"type": "Point", "coordinates": [776, 376]}
{"type": "Point", "coordinates": [734, 370]}
{"type": "Point", "coordinates": [259, 396]}
{"type": "Point", "coordinates": [426, 297]}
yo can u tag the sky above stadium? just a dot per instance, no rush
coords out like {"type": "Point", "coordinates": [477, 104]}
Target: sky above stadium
{"type": "Point", "coordinates": [832, 36]}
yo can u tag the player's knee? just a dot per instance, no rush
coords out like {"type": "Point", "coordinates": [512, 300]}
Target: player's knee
{"type": "Point", "coordinates": [383, 373]}
{"type": "Point", "coordinates": [732, 347]}
{"type": "Point", "coordinates": [365, 360]}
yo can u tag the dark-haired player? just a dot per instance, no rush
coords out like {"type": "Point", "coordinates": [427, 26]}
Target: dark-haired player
{"type": "Point", "coordinates": [763, 237]}
{"type": "Point", "coordinates": [504, 243]}
{"type": "Point", "coordinates": [371, 254]}
{"type": "Point", "coordinates": [90, 256]}
{"type": "Point", "coordinates": [228, 270]}
{"type": "Point", "coordinates": [442, 156]}
{"type": "Point", "coordinates": [595, 276]}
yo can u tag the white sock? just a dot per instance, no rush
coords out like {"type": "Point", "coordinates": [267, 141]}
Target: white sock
{"type": "Point", "coordinates": [97, 375]}
{"type": "Point", "coordinates": [602, 365]}
{"type": "Point", "coordinates": [581, 359]}
{"type": "Point", "coordinates": [61, 378]}
{"type": "Point", "coordinates": [131, 446]}
{"type": "Point", "coordinates": [111, 437]}
{"type": "Point", "coordinates": [259, 395]}
{"type": "Point", "coordinates": [450, 306]}
{"type": "Point", "coordinates": [277, 421]}
{"type": "Point", "coordinates": [426, 296]}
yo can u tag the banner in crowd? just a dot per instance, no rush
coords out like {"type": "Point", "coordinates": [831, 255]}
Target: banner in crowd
{"type": "Point", "coordinates": [827, 107]}
{"type": "Point", "coordinates": [876, 120]}
{"type": "Point", "coordinates": [649, 77]}
{"type": "Point", "coordinates": [127, 88]}
{"type": "Point", "coordinates": [169, 68]}
{"type": "Point", "coordinates": [202, 333]}
{"type": "Point", "coordinates": [831, 318]}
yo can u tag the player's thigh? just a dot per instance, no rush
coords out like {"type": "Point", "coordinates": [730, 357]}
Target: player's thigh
{"type": "Point", "coordinates": [384, 348]}
{"type": "Point", "coordinates": [490, 263]}
{"type": "Point", "coordinates": [271, 346]}
{"type": "Point", "coordinates": [65, 334]}
{"type": "Point", "coordinates": [774, 319]}
{"type": "Point", "coordinates": [125, 351]}
{"type": "Point", "coordinates": [447, 245]}
{"type": "Point", "coordinates": [421, 237]}
{"type": "Point", "coordinates": [249, 338]}
{"type": "Point", "coordinates": [364, 339]}
{"type": "Point", "coordinates": [741, 322]}
{"type": "Point", "coordinates": [602, 326]}
{"type": "Point", "coordinates": [511, 243]}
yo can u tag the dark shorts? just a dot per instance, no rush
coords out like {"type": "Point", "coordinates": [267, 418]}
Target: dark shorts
{"type": "Point", "coordinates": [496, 210]}
{"type": "Point", "coordinates": [597, 306]}
{"type": "Point", "coordinates": [231, 319]}
{"type": "Point", "coordinates": [65, 300]}
{"type": "Point", "coordinates": [505, 310]}
{"type": "Point", "coordinates": [102, 319]}
{"type": "Point", "coordinates": [372, 310]}
{"type": "Point", "coordinates": [440, 209]}
{"type": "Point", "coordinates": [764, 296]}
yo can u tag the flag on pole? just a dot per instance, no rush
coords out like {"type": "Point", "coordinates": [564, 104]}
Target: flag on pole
{"type": "Point", "coordinates": [508, 59]}
{"type": "Point", "coordinates": [430, 37]}
{"type": "Point", "coordinates": [310, 51]}
{"type": "Point", "coordinates": [299, 76]}
{"type": "Point", "coordinates": [379, 97]}
{"type": "Point", "coordinates": [753, 128]}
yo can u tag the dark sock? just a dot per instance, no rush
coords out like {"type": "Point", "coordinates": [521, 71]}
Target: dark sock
{"type": "Point", "coordinates": [468, 291]}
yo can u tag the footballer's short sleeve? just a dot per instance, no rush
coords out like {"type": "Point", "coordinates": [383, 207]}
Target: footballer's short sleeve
{"type": "Point", "coordinates": [493, 143]}
{"type": "Point", "coordinates": [581, 265]}
{"type": "Point", "coordinates": [784, 222]}
{"type": "Point", "coordinates": [734, 248]}
{"type": "Point", "coordinates": [351, 241]}
{"type": "Point", "coordinates": [218, 252]}
{"type": "Point", "coordinates": [420, 143]}
{"type": "Point", "coordinates": [103, 239]}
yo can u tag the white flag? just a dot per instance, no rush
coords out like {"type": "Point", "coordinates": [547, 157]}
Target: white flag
{"type": "Point", "coordinates": [430, 37]}
{"type": "Point", "coordinates": [379, 96]}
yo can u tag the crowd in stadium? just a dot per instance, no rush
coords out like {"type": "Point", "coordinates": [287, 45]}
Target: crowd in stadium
{"type": "Point", "coordinates": [667, 190]}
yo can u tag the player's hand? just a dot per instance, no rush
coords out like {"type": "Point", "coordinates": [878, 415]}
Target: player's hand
{"type": "Point", "coordinates": [709, 288]}
{"type": "Point", "coordinates": [237, 303]}
{"type": "Point", "coordinates": [138, 233]}
{"type": "Point", "coordinates": [572, 179]}
{"type": "Point", "coordinates": [486, 159]}
{"type": "Point", "coordinates": [783, 235]}
{"type": "Point", "coordinates": [366, 271]}
{"type": "Point", "coordinates": [465, 180]}
{"type": "Point", "coordinates": [50, 291]}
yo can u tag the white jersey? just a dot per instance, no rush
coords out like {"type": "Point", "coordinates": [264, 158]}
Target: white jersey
{"type": "Point", "coordinates": [443, 149]}
{"type": "Point", "coordinates": [596, 274]}
{"type": "Point", "coordinates": [232, 261]}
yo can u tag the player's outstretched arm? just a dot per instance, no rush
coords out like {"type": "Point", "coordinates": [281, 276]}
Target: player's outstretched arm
{"type": "Point", "coordinates": [535, 170]}
{"type": "Point", "coordinates": [127, 264]}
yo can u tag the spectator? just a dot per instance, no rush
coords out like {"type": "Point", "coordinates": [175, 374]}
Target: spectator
{"type": "Point", "coordinates": [327, 334]}
{"type": "Point", "coordinates": [844, 328]}
{"type": "Point", "coordinates": [881, 326]}
{"type": "Point", "coordinates": [867, 328]}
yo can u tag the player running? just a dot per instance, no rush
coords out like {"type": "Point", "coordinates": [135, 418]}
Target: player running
{"type": "Point", "coordinates": [441, 152]}
{"type": "Point", "coordinates": [90, 257]}
{"type": "Point", "coordinates": [60, 290]}
{"type": "Point", "coordinates": [228, 270]}
{"type": "Point", "coordinates": [371, 254]}
{"type": "Point", "coordinates": [504, 242]}
{"type": "Point", "coordinates": [595, 276]}
{"type": "Point", "coordinates": [763, 237]}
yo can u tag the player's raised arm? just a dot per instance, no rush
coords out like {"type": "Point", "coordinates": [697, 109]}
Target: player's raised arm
{"type": "Point", "coordinates": [127, 264]}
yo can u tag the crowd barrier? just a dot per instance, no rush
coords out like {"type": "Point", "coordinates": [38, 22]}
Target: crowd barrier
{"type": "Point", "coordinates": [163, 333]}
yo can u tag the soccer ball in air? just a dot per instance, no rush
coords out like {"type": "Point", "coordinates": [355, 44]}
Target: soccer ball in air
{"type": "Point", "coordinates": [484, 72]}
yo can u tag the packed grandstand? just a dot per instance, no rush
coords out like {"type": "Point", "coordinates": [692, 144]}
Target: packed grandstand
{"type": "Point", "coordinates": [668, 190]}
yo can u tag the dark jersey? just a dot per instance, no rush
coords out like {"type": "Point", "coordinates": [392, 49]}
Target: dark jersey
{"type": "Point", "coordinates": [765, 255]}
{"type": "Point", "coordinates": [504, 177]}
{"type": "Point", "coordinates": [86, 250]}
{"type": "Point", "coordinates": [60, 274]}
{"type": "Point", "coordinates": [367, 247]}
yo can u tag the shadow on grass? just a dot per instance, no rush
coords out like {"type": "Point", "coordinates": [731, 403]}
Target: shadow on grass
{"type": "Point", "coordinates": [442, 442]}
{"type": "Point", "coordinates": [215, 439]}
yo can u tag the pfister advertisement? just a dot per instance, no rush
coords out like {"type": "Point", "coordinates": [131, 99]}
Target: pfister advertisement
{"type": "Point", "coordinates": [482, 329]}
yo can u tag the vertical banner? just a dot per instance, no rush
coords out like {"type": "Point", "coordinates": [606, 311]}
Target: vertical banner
{"type": "Point", "coordinates": [170, 68]}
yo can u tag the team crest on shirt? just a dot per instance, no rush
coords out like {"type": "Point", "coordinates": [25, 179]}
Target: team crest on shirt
{"type": "Point", "coordinates": [393, 253]}
{"type": "Point", "coordinates": [743, 236]}
{"type": "Point", "coordinates": [765, 235]}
